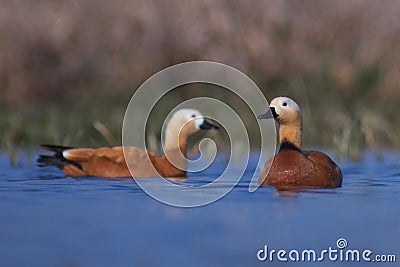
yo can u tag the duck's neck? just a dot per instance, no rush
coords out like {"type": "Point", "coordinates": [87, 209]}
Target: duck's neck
{"type": "Point", "coordinates": [175, 141]}
{"type": "Point", "coordinates": [291, 133]}
{"type": "Point", "coordinates": [175, 150]}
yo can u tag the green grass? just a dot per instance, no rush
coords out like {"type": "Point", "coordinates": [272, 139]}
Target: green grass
{"type": "Point", "coordinates": [343, 126]}
{"type": "Point", "coordinates": [62, 71]}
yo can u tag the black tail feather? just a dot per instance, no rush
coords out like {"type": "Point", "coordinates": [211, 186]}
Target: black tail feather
{"type": "Point", "coordinates": [56, 159]}
{"type": "Point", "coordinates": [47, 160]}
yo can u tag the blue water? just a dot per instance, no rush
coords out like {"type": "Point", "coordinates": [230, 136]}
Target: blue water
{"type": "Point", "coordinates": [47, 219]}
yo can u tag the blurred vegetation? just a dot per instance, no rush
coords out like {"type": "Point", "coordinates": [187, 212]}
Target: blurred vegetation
{"type": "Point", "coordinates": [66, 66]}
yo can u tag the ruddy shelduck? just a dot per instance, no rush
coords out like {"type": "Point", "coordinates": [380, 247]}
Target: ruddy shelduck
{"type": "Point", "coordinates": [292, 166]}
{"type": "Point", "coordinates": [109, 162]}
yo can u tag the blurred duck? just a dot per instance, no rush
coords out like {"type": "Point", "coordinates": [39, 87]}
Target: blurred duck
{"type": "Point", "coordinates": [109, 162]}
{"type": "Point", "coordinates": [292, 166]}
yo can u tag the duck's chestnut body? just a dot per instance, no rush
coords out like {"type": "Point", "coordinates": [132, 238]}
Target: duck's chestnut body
{"type": "Point", "coordinates": [307, 169]}
{"type": "Point", "coordinates": [113, 162]}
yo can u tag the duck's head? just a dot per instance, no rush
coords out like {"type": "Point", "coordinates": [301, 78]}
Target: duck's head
{"type": "Point", "coordinates": [284, 110]}
{"type": "Point", "coordinates": [189, 121]}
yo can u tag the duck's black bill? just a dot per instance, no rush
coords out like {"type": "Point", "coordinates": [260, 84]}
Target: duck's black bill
{"type": "Point", "coordinates": [206, 125]}
{"type": "Point", "coordinates": [269, 114]}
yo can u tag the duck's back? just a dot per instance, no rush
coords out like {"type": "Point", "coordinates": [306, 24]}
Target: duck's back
{"type": "Point", "coordinates": [296, 168]}
{"type": "Point", "coordinates": [109, 162]}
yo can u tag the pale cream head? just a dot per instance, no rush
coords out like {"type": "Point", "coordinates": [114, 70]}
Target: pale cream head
{"type": "Point", "coordinates": [288, 114]}
{"type": "Point", "coordinates": [182, 124]}
{"type": "Point", "coordinates": [286, 109]}
{"type": "Point", "coordinates": [186, 121]}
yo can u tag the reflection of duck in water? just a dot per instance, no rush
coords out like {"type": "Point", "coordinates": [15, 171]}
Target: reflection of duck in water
{"type": "Point", "coordinates": [292, 166]}
{"type": "Point", "coordinates": [110, 162]}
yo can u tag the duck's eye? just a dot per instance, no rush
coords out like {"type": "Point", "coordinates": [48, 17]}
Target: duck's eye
{"type": "Point", "coordinates": [284, 104]}
{"type": "Point", "coordinates": [193, 115]}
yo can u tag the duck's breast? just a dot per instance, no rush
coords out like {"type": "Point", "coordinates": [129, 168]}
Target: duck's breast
{"type": "Point", "coordinates": [288, 167]}
{"type": "Point", "coordinates": [295, 168]}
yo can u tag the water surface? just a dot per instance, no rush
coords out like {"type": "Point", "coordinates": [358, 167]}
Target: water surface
{"type": "Point", "coordinates": [47, 219]}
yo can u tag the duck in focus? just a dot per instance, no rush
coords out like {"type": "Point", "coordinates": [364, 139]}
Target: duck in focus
{"type": "Point", "coordinates": [292, 166]}
{"type": "Point", "coordinates": [110, 162]}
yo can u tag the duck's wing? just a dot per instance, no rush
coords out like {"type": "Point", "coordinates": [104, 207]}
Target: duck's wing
{"type": "Point", "coordinates": [81, 155]}
{"type": "Point", "coordinates": [320, 158]}
{"type": "Point", "coordinates": [331, 169]}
